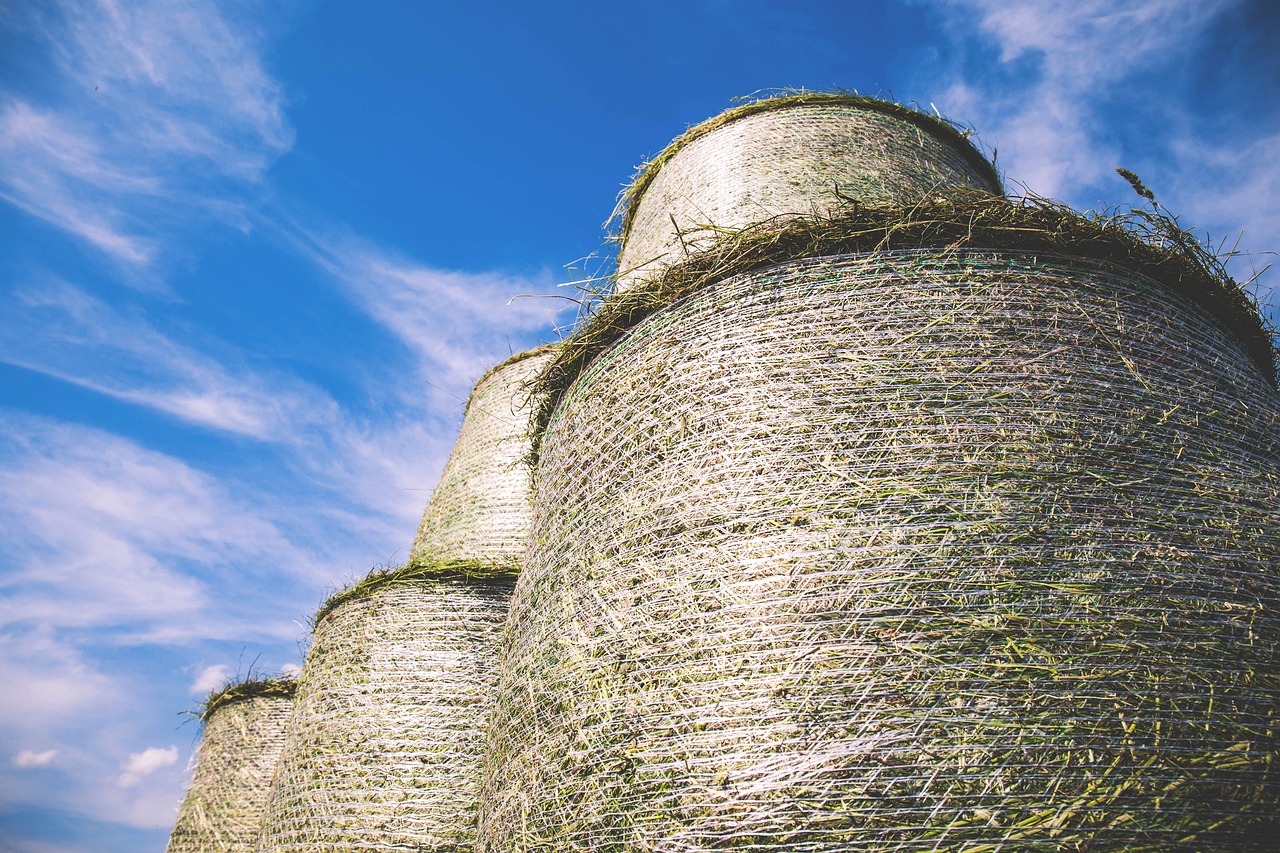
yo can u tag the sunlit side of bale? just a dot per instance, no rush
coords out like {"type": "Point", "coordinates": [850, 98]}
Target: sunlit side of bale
{"type": "Point", "coordinates": [970, 550]}
{"type": "Point", "coordinates": [240, 747]}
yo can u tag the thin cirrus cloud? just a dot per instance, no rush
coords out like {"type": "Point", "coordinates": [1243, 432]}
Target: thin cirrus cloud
{"type": "Point", "coordinates": [65, 332]}
{"type": "Point", "coordinates": [104, 534]}
{"type": "Point", "coordinates": [156, 106]}
{"type": "Point", "coordinates": [457, 324]}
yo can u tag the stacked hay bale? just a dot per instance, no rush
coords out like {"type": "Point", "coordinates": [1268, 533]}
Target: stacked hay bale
{"type": "Point", "coordinates": [803, 153]}
{"type": "Point", "coordinates": [244, 731]}
{"type": "Point", "coordinates": [948, 526]}
{"type": "Point", "coordinates": [394, 697]}
{"type": "Point", "coordinates": [480, 509]}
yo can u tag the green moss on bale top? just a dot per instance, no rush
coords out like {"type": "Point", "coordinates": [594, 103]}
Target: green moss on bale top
{"type": "Point", "coordinates": [935, 125]}
{"type": "Point", "coordinates": [277, 687]}
{"type": "Point", "coordinates": [420, 571]}
{"type": "Point", "coordinates": [1137, 241]}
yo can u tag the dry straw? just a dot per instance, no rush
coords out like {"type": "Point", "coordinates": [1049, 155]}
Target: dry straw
{"type": "Point", "coordinates": [790, 154]}
{"type": "Point", "coordinates": [392, 704]}
{"type": "Point", "coordinates": [974, 546]}
{"type": "Point", "coordinates": [244, 731]}
{"type": "Point", "coordinates": [480, 509]}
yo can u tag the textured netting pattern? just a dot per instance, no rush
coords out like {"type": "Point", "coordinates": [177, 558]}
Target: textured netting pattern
{"type": "Point", "coordinates": [223, 807]}
{"type": "Point", "coordinates": [392, 704]}
{"type": "Point", "coordinates": [790, 160]}
{"type": "Point", "coordinates": [480, 509]}
{"type": "Point", "coordinates": [901, 552]}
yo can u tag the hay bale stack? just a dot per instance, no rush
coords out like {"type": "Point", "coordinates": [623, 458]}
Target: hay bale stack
{"type": "Point", "coordinates": [480, 509]}
{"type": "Point", "coordinates": [392, 703]}
{"type": "Point", "coordinates": [912, 550]}
{"type": "Point", "coordinates": [244, 730]}
{"type": "Point", "coordinates": [797, 154]}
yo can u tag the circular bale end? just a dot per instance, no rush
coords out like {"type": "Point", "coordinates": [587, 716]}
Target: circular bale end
{"type": "Point", "coordinates": [244, 731]}
{"type": "Point", "coordinates": [480, 509]}
{"type": "Point", "coordinates": [975, 549]}
{"type": "Point", "coordinates": [391, 714]}
{"type": "Point", "coordinates": [791, 155]}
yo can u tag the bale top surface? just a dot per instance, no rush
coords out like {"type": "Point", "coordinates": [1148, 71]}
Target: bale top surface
{"type": "Point", "coordinates": [935, 125]}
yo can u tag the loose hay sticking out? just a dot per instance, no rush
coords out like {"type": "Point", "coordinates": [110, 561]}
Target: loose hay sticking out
{"type": "Point", "coordinates": [480, 509]}
{"type": "Point", "coordinates": [244, 730]}
{"type": "Point", "coordinates": [796, 153]}
{"type": "Point", "coordinates": [903, 551]}
{"type": "Point", "coordinates": [391, 714]}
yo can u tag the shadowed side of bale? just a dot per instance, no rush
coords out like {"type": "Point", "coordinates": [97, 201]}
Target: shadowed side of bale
{"type": "Point", "coordinates": [789, 155]}
{"type": "Point", "coordinates": [901, 552]}
{"type": "Point", "coordinates": [480, 509]}
{"type": "Point", "coordinates": [243, 735]}
{"type": "Point", "coordinates": [391, 715]}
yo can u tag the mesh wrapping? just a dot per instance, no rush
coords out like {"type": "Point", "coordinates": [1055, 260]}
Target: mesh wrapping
{"type": "Point", "coordinates": [223, 807]}
{"type": "Point", "coordinates": [788, 160]}
{"type": "Point", "coordinates": [480, 509]}
{"type": "Point", "coordinates": [901, 552]}
{"type": "Point", "coordinates": [384, 749]}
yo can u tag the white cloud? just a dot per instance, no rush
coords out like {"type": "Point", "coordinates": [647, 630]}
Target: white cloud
{"type": "Point", "coordinates": [211, 678]}
{"type": "Point", "coordinates": [28, 758]}
{"type": "Point", "coordinates": [142, 764]}
{"type": "Point", "coordinates": [1083, 86]}
{"type": "Point", "coordinates": [291, 670]}
{"type": "Point", "coordinates": [1063, 60]}
{"type": "Point", "coordinates": [152, 106]}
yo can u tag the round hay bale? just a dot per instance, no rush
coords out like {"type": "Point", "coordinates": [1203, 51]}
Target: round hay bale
{"type": "Point", "coordinates": [900, 551]}
{"type": "Point", "coordinates": [797, 154]}
{"type": "Point", "coordinates": [480, 509]}
{"type": "Point", "coordinates": [244, 730]}
{"type": "Point", "coordinates": [391, 713]}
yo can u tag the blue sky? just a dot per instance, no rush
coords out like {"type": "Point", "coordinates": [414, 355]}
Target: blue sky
{"type": "Point", "coordinates": [253, 256]}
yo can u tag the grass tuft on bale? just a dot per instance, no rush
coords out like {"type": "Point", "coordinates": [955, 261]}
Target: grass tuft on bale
{"type": "Point", "coordinates": [415, 573]}
{"type": "Point", "coordinates": [1136, 240]}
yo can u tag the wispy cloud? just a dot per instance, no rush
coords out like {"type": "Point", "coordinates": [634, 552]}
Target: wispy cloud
{"type": "Point", "coordinates": [457, 323]}
{"type": "Point", "coordinates": [1058, 62]}
{"type": "Point", "coordinates": [156, 107]}
{"type": "Point", "coordinates": [102, 533]}
{"type": "Point", "coordinates": [1058, 104]}
{"type": "Point", "coordinates": [65, 332]}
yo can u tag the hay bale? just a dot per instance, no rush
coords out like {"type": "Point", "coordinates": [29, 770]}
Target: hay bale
{"type": "Point", "coordinates": [797, 154]}
{"type": "Point", "coordinates": [975, 549]}
{"type": "Point", "coordinates": [480, 509]}
{"type": "Point", "coordinates": [391, 711]}
{"type": "Point", "coordinates": [244, 730]}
